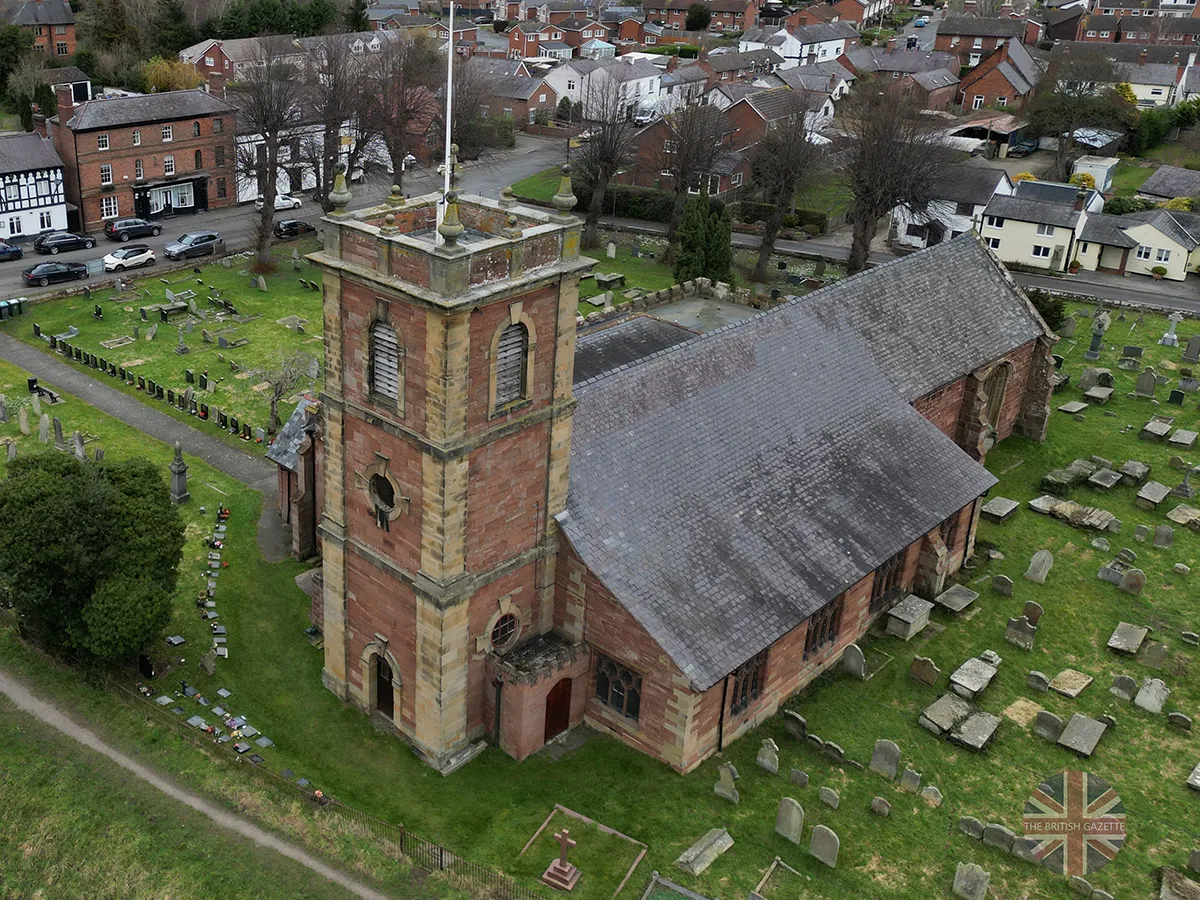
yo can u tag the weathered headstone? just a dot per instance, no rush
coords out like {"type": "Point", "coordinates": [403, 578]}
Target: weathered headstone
{"type": "Point", "coordinates": [3, 410]}
{"type": "Point", "coordinates": [931, 795]}
{"type": "Point", "coordinates": [799, 778]}
{"type": "Point", "coordinates": [768, 756]}
{"type": "Point", "coordinates": [1002, 584]}
{"type": "Point", "coordinates": [998, 836]}
{"type": "Point", "coordinates": [44, 429]}
{"type": "Point", "coordinates": [789, 820]}
{"type": "Point", "coordinates": [611, 249]}
{"type": "Point", "coordinates": [208, 663]}
{"type": "Point", "coordinates": [1048, 726]}
{"type": "Point", "coordinates": [1020, 633]}
{"type": "Point", "coordinates": [1039, 567]}
{"type": "Point", "coordinates": [60, 443]}
{"type": "Point", "coordinates": [36, 402]}
{"type": "Point", "coordinates": [1033, 611]}
{"type": "Point", "coordinates": [77, 446]}
{"type": "Point", "coordinates": [725, 786]}
{"type": "Point", "coordinates": [1037, 681]}
{"type": "Point", "coordinates": [23, 420]}
{"type": "Point", "coordinates": [824, 845]}
{"type": "Point", "coordinates": [152, 331]}
{"type": "Point", "coordinates": [1179, 720]}
{"type": "Point", "coordinates": [701, 854]}
{"type": "Point", "coordinates": [829, 797]}
{"type": "Point", "coordinates": [885, 759]}
{"type": "Point", "coordinates": [1153, 695]}
{"type": "Point", "coordinates": [924, 671]}
{"type": "Point", "coordinates": [178, 469]}
{"type": "Point", "coordinates": [971, 827]}
{"type": "Point", "coordinates": [11, 452]}
{"type": "Point", "coordinates": [881, 807]}
{"type": "Point", "coordinates": [910, 781]}
{"type": "Point", "coordinates": [262, 284]}
{"type": "Point", "coordinates": [854, 662]}
{"type": "Point", "coordinates": [971, 881]}
{"type": "Point", "coordinates": [1164, 536]}
{"type": "Point", "coordinates": [1132, 581]}
{"type": "Point", "coordinates": [796, 724]}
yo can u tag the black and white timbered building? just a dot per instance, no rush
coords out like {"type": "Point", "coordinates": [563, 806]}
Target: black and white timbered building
{"type": "Point", "coordinates": [32, 199]}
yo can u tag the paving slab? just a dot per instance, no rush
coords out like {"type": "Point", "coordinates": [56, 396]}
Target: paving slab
{"type": "Point", "coordinates": [997, 509]}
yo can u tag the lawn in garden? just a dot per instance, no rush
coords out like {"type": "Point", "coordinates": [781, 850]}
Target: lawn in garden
{"type": "Point", "coordinates": [540, 186]}
{"type": "Point", "coordinates": [1129, 176]}
{"type": "Point", "coordinates": [235, 373]}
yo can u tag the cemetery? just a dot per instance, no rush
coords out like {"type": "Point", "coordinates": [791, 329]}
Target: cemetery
{"type": "Point", "coordinates": [903, 773]}
{"type": "Point", "coordinates": [203, 334]}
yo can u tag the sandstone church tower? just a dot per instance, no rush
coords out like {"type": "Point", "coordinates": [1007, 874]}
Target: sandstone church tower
{"type": "Point", "coordinates": [447, 435]}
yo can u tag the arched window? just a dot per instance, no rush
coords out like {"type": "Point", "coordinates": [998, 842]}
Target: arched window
{"type": "Point", "coordinates": [196, 130]}
{"type": "Point", "coordinates": [994, 387]}
{"type": "Point", "coordinates": [199, 159]}
{"type": "Point", "coordinates": [385, 361]}
{"type": "Point", "coordinates": [510, 364]}
{"type": "Point", "coordinates": [138, 171]}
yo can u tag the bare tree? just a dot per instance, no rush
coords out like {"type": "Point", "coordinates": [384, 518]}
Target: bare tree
{"type": "Point", "coordinates": [474, 93]}
{"type": "Point", "coordinates": [268, 99]}
{"type": "Point", "coordinates": [894, 156]}
{"type": "Point", "coordinates": [785, 160]}
{"type": "Point", "coordinates": [401, 102]}
{"type": "Point", "coordinates": [692, 142]}
{"type": "Point", "coordinates": [292, 371]}
{"type": "Point", "coordinates": [610, 148]}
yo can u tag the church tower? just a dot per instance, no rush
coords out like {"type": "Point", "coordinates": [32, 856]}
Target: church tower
{"type": "Point", "coordinates": [447, 434]}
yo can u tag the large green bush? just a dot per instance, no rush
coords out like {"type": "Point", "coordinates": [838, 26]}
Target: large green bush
{"type": "Point", "coordinates": [632, 202]}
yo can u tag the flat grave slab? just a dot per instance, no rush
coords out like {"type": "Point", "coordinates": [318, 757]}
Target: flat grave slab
{"type": "Point", "coordinates": [1070, 683]}
{"type": "Point", "coordinates": [1194, 779]}
{"type": "Point", "coordinates": [1075, 406]}
{"type": "Point", "coordinates": [1134, 471]}
{"type": "Point", "coordinates": [265, 742]}
{"type": "Point", "coordinates": [1044, 504]}
{"type": "Point", "coordinates": [998, 509]}
{"type": "Point", "coordinates": [698, 857]}
{"type": "Point", "coordinates": [944, 713]}
{"type": "Point", "coordinates": [195, 721]}
{"type": "Point", "coordinates": [1187, 516]}
{"type": "Point", "coordinates": [1156, 430]}
{"type": "Point", "coordinates": [223, 694]}
{"type": "Point", "coordinates": [908, 617]}
{"type": "Point", "coordinates": [1152, 493]}
{"type": "Point", "coordinates": [164, 700]}
{"type": "Point", "coordinates": [1105, 479]}
{"type": "Point", "coordinates": [1127, 638]}
{"type": "Point", "coordinates": [976, 731]}
{"type": "Point", "coordinates": [1082, 734]}
{"type": "Point", "coordinates": [1098, 395]}
{"type": "Point", "coordinates": [1154, 655]}
{"type": "Point", "coordinates": [957, 598]}
{"type": "Point", "coordinates": [970, 679]}
{"type": "Point", "coordinates": [1183, 438]}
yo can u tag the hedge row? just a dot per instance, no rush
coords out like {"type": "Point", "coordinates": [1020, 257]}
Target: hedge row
{"type": "Point", "coordinates": [633, 202]}
{"type": "Point", "coordinates": [752, 211]}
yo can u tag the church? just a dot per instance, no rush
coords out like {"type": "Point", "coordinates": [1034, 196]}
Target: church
{"type": "Point", "coordinates": [526, 524]}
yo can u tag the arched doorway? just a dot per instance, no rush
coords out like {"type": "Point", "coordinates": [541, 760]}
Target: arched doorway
{"type": "Point", "coordinates": [558, 709]}
{"type": "Point", "coordinates": [383, 687]}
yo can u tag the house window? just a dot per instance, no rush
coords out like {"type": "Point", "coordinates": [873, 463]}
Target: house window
{"type": "Point", "coordinates": [977, 101]}
{"type": "Point", "coordinates": [106, 174]}
{"type": "Point", "coordinates": [736, 180]}
{"type": "Point", "coordinates": [993, 243]}
{"type": "Point", "coordinates": [995, 222]}
{"type": "Point", "coordinates": [45, 220]}
{"type": "Point", "coordinates": [221, 188]}
{"type": "Point", "coordinates": [1104, 34]}
{"type": "Point", "coordinates": [1045, 230]}
{"type": "Point", "coordinates": [61, 49]}
{"type": "Point", "coordinates": [1041, 252]}
{"type": "Point", "coordinates": [1156, 92]}
{"type": "Point", "coordinates": [108, 207]}
{"type": "Point", "coordinates": [511, 358]}
{"type": "Point", "coordinates": [195, 129]}
{"type": "Point", "coordinates": [973, 59]}
{"type": "Point", "coordinates": [977, 44]}
{"type": "Point", "coordinates": [504, 632]}
{"type": "Point", "coordinates": [208, 61]}
{"type": "Point", "coordinates": [1083, 246]}
{"type": "Point", "coordinates": [954, 41]}
{"type": "Point", "coordinates": [618, 686]}
{"type": "Point", "coordinates": [886, 587]}
{"type": "Point", "coordinates": [168, 164]}
{"type": "Point", "coordinates": [541, 98]}
{"type": "Point", "coordinates": [137, 138]}
{"type": "Point", "coordinates": [748, 681]}
{"type": "Point", "coordinates": [14, 225]}
{"type": "Point", "coordinates": [102, 142]}
{"type": "Point", "coordinates": [915, 230]}
{"type": "Point", "coordinates": [167, 134]}
{"type": "Point", "coordinates": [964, 209]}
{"type": "Point", "coordinates": [218, 126]}
{"type": "Point", "coordinates": [199, 159]}
{"type": "Point", "coordinates": [1163, 256]}
{"type": "Point", "coordinates": [385, 361]}
{"type": "Point", "coordinates": [823, 627]}
{"type": "Point", "coordinates": [1002, 102]}
{"type": "Point", "coordinates": [138, 172]}
{"type": "Point", "coordinates": [219, 156]}
{"type": "Point", "coordinates": [60, 29]}
{"type": "Point", "coordinates": [1091, 34]}
{"type": "Point", "coordinates": [1143, 252]}
{"type": "Point", "coordinates": [570, 84]}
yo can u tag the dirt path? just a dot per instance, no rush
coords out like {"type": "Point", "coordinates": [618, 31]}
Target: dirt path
{"type": "Point", "coordinates": [21, 696]}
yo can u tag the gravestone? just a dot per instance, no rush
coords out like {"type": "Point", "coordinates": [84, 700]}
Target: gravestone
{"type": "Point", "coordinates": [1033, 611]}
{"type": "Point", "coordinates": [970, 882]}
{"type": "Point", "coordinates": [1170, 339]}
{"type": "Point", "coordinates": [881, 807]}
{"type": "Point", "coordinates": [1002, 584]}
{"type": "Point", "coordinates": [60, 442]}
{"type": "Point", "coordinates": [1132, 582]}
{"type": "Point", "coordinates": [971, 827]}
{"type": "Point", "coordinates": [1140, 533]}
{"type": "Point", "coordinates": [1179, 720]}
{"type": "Point", "coordinates": [725, 786]}
{"type": "Point", "coordinates": [799, 778]}
{"type": "Point", "coordinates": [789, 820]}
{"type": "Point", "coordinates": [262, 284]}
{"type": "Point", "coordinates": [44, 429]}
{"type": "Point", "coordinates": [36, 402]}
{"type": "Point", "coordinates": [1067, 329]}
{"type": "Point", "coordinates": [768, 756]}
{"type": "Point", "coordinates": [23, 420]}
{"type": "Point", "coordinates": [178, 469]}
{"type": "Point", "coordinates": [796, 724]}
{"type": "Point", "coordinates": [1146, 384]}
{"type": "Point", "coordinates": [701, 854]}
{"type": "Point", "coordinates": [1037, 681]}
{"type": "Point", "coordinates": [910, 781]}
{"type": "Point", "coordinates": [824, 845]}
{"type": "Point", "coordinates": [998, 836]}
{"type": "Point", "coordinates": [924, 671]}
{"type": "Point", "coordinates": [1176, 398]}
{"type": "Point", "coordinates": [189, 376]}
{"type": "Point", "coordinates": [208, 663]}
{"type": "Point", "coordinates": [77, 446]}
{"type": "Point", "coordinates": [1039, 567]}
{"type": "Point", "coordinates": [11, 452]}
{"type": "Point", "coordinates": [1020, 633]}
{"type": "Point", "coordinates": [3, 410]}
{"type": "Point", "coordinates": [611, 250]}
{"type": "Point", "coordinates": [1048, 726]}
{"type": "Point", "coordinates": [152, 331]}
{"type": "Point", "coordinates": [854, 661]}
{"type": "Point", "coordinates": [885, 759]}
{"type": "Point", "coordinates": [932, 795]}
{"type": "Point", "coordinates": [1164, 536]}
{"type": "Point", "coordinates": [1153, 695]}
{"type": "Point", "coordinates": [1127, 638]}
{"type": "Point", "coordinates": [829, 797]}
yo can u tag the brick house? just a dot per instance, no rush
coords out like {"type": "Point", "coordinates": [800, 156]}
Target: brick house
{"type": "Point", "coordinates": [521, 98]}
{"type": "Point", "coordinates": [152, 155]}
{"type": "Point", "coordinates": [577, 32]}
{"type": "Point", "coordinates": [971, 38]}
{"type": "Point", "coordinates": [474, 583]}
{"type": "Point", "coordinates": [723, 68]}
{"type": "Point", "coordinates": [529, 38]}
{"type": "Point", "coordinates": [51, 22]}
{"type": "Point", "coordinates": [557, 11]}
{"type": "Point", "coordinates": [1006, 78]}
{"type": "Point", "coordinates": [814, 14]}
{"type": "Point", "coordinates": [652, 164]}
{"type": "Point", "coordinates": [862, 12]}
{"type": "Point", "coordinates": [727, 15]}
{"type": "Point", "coordinates": [219, 62]}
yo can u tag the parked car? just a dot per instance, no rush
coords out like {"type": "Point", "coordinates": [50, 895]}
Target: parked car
{"type": "Point", "coordinates": [124, 229]}
{"type": "Point", "coordinates": [1023, 149]}
{"type": "Point", "coordinates": [645, 117]}
{"type": "Point", "coordinates": [921, 22]}
{"type": "Point", "coordinates": [132, 257]}
{"type": "Point", "coordinates": [54, 241]}
{"type": "Point", "coordinates": [194, 243]}
{"type": "Point", "coordinates": [282, 201]}
{"type": "Point", "coordinates": [288, 228]}
{"type": "Point", "coordinates": [45, 273]}
{"type": "Point", "coordinates": [10, 251]}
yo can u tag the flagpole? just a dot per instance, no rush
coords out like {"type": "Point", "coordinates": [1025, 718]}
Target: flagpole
{"type": "Point", "coordinates": [447, 164]}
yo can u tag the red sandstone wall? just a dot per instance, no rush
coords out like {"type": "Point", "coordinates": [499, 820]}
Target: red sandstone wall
{"type": "Point", "coordinates": [506, 501]}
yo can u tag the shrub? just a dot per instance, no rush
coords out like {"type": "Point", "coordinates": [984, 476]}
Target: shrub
{"type": "Point", "coordinates": [812, 230]}
{"type": "Point", "coordinates": [632, 202]}
{"type": "Point", "coordinates": [753, 211]}
{"type": "Point", "coordinates": [1050, 307]}
{"type": "Point", "coordinates": [1025, 176]}
{"type": "Point", "coordinates": [499, 26]}
{"type": "Point", "coordinates": [1160, 271]}
{"type": "Point", "coordinates": [1181, 204]}
{"type": "Point", "coordinates": [1084, 179]}
{"type": "Point", "coordinates": [1120, 206]}
{"type": "Point", "coordinates": [791, 220]}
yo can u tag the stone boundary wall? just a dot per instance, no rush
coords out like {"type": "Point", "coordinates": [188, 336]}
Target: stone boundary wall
{"type": "Point", "coordinates": [616, 306]}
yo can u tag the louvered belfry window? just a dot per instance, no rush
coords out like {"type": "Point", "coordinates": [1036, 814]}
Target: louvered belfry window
{"type": "Point", "coordinates": [386, 356]}
{"type": "Point", "coordinates": [510, 364]}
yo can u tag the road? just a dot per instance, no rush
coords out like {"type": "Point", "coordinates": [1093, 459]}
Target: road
{"type": "Point", "coordinates": [486, 176]}
{"type": "Point", "coordinates": [925, 36]}
{"type": "Point", "coordinates": [1133, 289]}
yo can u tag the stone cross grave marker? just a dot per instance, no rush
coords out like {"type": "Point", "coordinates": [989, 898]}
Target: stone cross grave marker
{"type": "Point", "coordinates": [1170, 339]}
{"type": "Point", "coordinates": [561, 874]}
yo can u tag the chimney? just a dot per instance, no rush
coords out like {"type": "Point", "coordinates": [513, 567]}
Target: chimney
{"type": "Point", "coordinates": [1080, 199]}
{"type": "Point", "coordinates": [891, 44]}
{"type": "Point", "coordinates": [672, 63]}
{"type": "Point", "coordinates": [39, 121]}
{"type": "Point", "coordinates": [65, 102]}
{"type": "Point", "coordinates": [1006, 9]}
{"type": "Point", "coordinates": [970, 7]}
{"type": "Point", "coordinates": [1142, 57]}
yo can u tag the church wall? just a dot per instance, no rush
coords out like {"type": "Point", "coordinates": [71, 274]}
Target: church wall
{"type": "Point", "coordinates": [401, 543]}
{"type": "Point", "coordinates": [506, 500]}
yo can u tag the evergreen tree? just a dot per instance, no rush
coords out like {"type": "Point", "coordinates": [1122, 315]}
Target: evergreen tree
{"type": "Point", "coordinates": [718, 254]}
{"type": "Point", "coordinates": [693, 240]}
{"type": "Point", "coordinates": [356, 16]}
{"type": "Point", "coordinates": [112, 28]}
{"type": "Point", "coordinates": [172, 29]}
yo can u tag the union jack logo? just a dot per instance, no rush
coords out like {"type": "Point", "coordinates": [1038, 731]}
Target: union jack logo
{"type": "Point", "coordinates": [1074, 823]}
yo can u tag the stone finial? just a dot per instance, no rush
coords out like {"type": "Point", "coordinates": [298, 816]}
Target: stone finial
{"type": "Point", "coordinates": [451, 227]}
{"type": "Point", "coordinates": [564, 201]}
{"type": "Point", "coordinates": [507, 198]}
{"type": "Point", "coordinates": [340, 196]}
{"type": "Point", "coordinates": [396, 199]}
{"type": "Point", "coordinates": [389, 224]}
{"type": "Point", "coordinates": [512, 228]}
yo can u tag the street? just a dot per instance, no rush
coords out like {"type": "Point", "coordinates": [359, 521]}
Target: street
{"type": "Point", "coordinates": [925, 36]}
{"type": "Point", "coordinates": [486, 176]}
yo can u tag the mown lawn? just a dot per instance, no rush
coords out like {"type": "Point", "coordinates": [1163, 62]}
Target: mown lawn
{"type": "Point", "coordinates": [1129, 176]}
{"type": "Point", "coordinates": [541, 186]}
{"type": "Point", "coordinates": [238, 393]}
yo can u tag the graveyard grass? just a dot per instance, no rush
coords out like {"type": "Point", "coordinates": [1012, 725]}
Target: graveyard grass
{"type": "Point", "coordinates": [234, 393]}
{"type": "Point", "coordinates": [488, 810]}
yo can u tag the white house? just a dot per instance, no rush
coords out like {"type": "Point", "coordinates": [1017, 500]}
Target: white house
{"type": "Point", "coordinates": [638, 82]}
{"type": "Point", "coordinates": [680, 87]}
{"type": "Point", "coordinates": [824, 41]}
{"type": "Point", "coordinates": [31, 187]}
{"type": "Point", "coordinates": [780, 40]}
{"type": "Point", "coordinates": [961, 195]}
{"type": "Point", "coordinates": [1040, 223]}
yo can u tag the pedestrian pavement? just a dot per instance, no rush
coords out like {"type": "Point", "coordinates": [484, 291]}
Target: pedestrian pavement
{"type": "Point", "coordinates": [252, 470]}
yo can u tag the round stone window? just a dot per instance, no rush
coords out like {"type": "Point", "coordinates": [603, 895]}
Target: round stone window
{"type": "Point", "coordinates": [383, 495]}
{"type": "Point", "coordinates": [504, 632]}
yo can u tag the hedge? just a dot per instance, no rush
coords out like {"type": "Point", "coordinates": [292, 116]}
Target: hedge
{"type": "Point", "coordinates": [633, 202]}
{"type": "Point", "coordinates": [751, 211]}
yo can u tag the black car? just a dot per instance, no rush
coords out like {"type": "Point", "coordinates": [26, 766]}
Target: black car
{"type": "Point", "coordinates": [286, 228]}
{"type": "Point", "coordinates": [124, 229]}
{"type": "Point", "coordinates": [53, 241]}
{"type": "Point", "coordinates": [45, 273]}
{"type": "Point", "coordinates": [194, 243]}
{"type": "Point", "coordinates": [10, 251]}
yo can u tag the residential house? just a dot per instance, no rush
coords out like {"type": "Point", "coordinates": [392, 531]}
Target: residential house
{"type": "Point", "coordinates": [657, 143]}
{"type": "Point", "coordinates": [1063, 23]}
{"type": "Point", "coordinates": [577, 32]}
{"type": "Point", "coordinates": [1006, 78]}
{"type": "Point", "coordinates": [960, 195]}
{"type": "Point", "coordinates": [895, 64]}
{"type": "Point", "coordinates": [727, 15]}
{"type": "Point", "coordinates": [829, 79]}
{"type": "Point", "coordinates": [1038, 223]}
{"type": "Point", "coordinates": [680, 86]}
{"type": "Point", "coordinates": [70, 76]}
{"type": "Point", "coordinates": [729, 66]}
{"type": "Point", "coordinates": [863, 13]}
{"type": "Point", "coordinates": [1099, 29]}
{"type": "Point", "coordinates": [972, 38]}
{"type": "Point", "coordinates": [723, 96]}
{"type": "Point", "coordinates": [937, 89]}
{"type": "Point", "coordinates": [555, 12]}
{"type": "Point", "coordinates": [775, 108]}
{"type": "Point", "coordinates": [623, 23]}
{"type": "Point", "coordinates": [521, 98]}
{"type": "Point", "coordinates": [51, 22]}
{"type": "Point", "coordinates": [32, 194]}
{"type": "Point", "coordinates": [1140, 242]}
{"type": "Point", "coordinates": [389, 19]}
{"type": "Point", "coordinates": [815, 14]}
{"type": "Point", "coordinates": [358, 44]}
{"type": "Point", "coordinates": [825, 41]}
{"type": "Point", "coordinates": [533, 38]}
{"type": "Point", "coordinates": [147, 155]}
{"type": "Point", "coordinates": [1153, 84]}
{"type": "Point", "coordinates": [779, 40]}
{"type": "Point", "coordinates": [220, 62]}
{"type": "Point", "coordinates": [570, 79]}
{"type": "Point", "coordinates": [638, 83]}
{"type": "Point", "coordinates": [1169, 182]}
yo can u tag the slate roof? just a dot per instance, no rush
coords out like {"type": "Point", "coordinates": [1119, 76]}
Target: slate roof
{"type": "Point", "coordinates": [1171, 182]}
{"type": "Point", "coordinates": [981, 26]}
{"type": "Point", "coordinates": [64, 75]}
{"type": "Point", "coordinates": [625, 70]}
{"type": "Point", "coordinates": [611, 347]}
{"type": "Point", "coordinates": [1050, 192]}
{"type": "Point", "coordinates": [1101, 228]}
{"type": "Point", "coordinates": [774, 104]}
{"type": "Point", "coordinates": [762, 35]}
{"type": "Point", "coordinates": [968, 184]}
{"type": "Point", "coordinates": [1151, 73]}
{"type": "Point", "coordinates": [1164, 220]}
{"type": "Point", "coordinates": [737, 6]}
{"type": "Point", "coordinates": [283, 450]}
{"type": "Point", "coordinates": [778, 460]}
{"type": "Point", "coordinates": [495, 66]}
{"type": "Point", "coordinates": [162, 107]}
{"type": "Point", "coordinates": [800, 79]}
{"type": "Point", "coordinates": [39, 12]}
{"type": "Point", "coordinates": [1118, 52]}
{"type": "Point", "coordinates": [825, 31]}
{"type": "Point", "coordinates": [937, 78]}
{"type": "Point", "coordinates": [1036, 211]}
{"type": "Point", "coordinates": [1102, 23]}
{"type": "Point", "coordinates": [577, 24]}
{"type": "Point", "coordinates": [872, 59]}
{"type": "Point", "coordinates": [1021, 70]}
{"type": "Point", "coordinates": [27, 152]}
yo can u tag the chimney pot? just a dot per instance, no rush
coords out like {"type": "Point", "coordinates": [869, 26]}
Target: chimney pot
{"type": "Point", "coordinates": [1080, 199]}
{"type": "Point", "coordinates": [1142, 57]}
